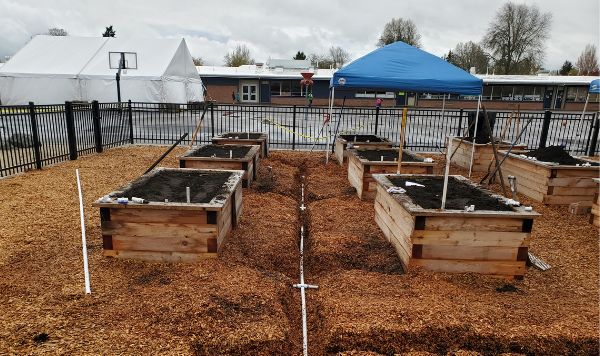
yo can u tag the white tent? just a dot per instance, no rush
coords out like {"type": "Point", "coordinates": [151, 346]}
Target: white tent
{"type": "Point", "coordinates": [55, 69]}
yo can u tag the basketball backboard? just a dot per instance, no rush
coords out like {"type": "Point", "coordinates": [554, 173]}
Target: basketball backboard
{"type": "Point", "coordinates": [130, 60]}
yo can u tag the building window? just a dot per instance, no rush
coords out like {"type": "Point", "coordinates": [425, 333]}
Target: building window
{"type": "Point", "coordinates": [576, 94]}
{"type": "Point", "coordinates": [375, 94]}
{"type": "Point", "coordinates": [287, 88]}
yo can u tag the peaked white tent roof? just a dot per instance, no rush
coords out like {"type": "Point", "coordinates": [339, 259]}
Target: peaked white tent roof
{"type": "Point", "coordinates": [54, 69]}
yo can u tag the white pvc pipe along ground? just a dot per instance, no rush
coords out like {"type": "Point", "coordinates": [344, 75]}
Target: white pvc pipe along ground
{"type": "Point", "coordinates": [302, 286]}
{"type": "Point", "coordinates": [86, 271]}
{"type": "Point", "coordinates": [475, 135]}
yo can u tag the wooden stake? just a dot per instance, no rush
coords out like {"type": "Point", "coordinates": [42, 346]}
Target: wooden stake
{"type": "Point", "coordinates": [402, 133]}
{"type": "Point", "coordinates": [489, 128]}
{"type": "Point", "coordinates": [445, 190]}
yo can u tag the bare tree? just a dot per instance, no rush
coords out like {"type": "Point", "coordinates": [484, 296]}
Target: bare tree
{"type": "Point", "coordinates": [588, 61]}
{"type": "Point", "coordinates": [320, 61]}
{"type": "Point", "coordinates": [467, 55]}
{"type": "Point", "coordinates": [55, 31]}
{"type": "Point", "coordinates": [338, 56]}
{"type": "Point", "coordinates": [198, 61]}
{"type": "Point", "coordinates": [516, 38]}
{"type": "Point", "coordinates": [400, 30]}
{"type": "Point", "coordinates": [239, 56]}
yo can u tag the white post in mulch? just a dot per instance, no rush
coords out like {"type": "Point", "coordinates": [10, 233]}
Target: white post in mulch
{"type": "Point", "coordinates": [86, 271]}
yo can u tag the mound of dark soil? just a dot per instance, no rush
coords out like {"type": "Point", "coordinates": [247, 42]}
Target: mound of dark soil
{"type": "Point", "coordinates": [242, 135]}
{"type": "Point", "coordinates": [361, 138]}
{"type": "Point", "coordinates": [171, 185]}
{"type": "Point", "coordinates": [221, 151]}
{"type": "Point", "coordinates": [458, 196]}
{"type": "Point", "coordinates": [556, 154]}
{"type": "Point", "coordinates": [388, 155]}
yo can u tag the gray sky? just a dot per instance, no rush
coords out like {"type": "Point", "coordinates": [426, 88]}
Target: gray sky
{"type": "Point", "coordinates": [277, 29]}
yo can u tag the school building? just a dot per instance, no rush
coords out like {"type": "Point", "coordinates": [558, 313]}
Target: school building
{"type": "Point", "coordinates": [277, 82]}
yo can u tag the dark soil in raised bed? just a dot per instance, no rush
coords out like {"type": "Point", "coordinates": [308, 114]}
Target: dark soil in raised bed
{"type": "Point", "coordinates": [388, 155]}
{"type": "Point", "coordinates": [361, 138]}
{"type": "Point", "coordinates": [221, 151]}
{"type": "Point", "coordinates": [204, 186]}
{"type": "Point", "coordinates": [556, 154]}
{"type": "Point", "coordinates": [242, 135]}
{"type": "Point", "coordinates": [458, 196]}
{"type": "Point", "coordinates": [480, 142]}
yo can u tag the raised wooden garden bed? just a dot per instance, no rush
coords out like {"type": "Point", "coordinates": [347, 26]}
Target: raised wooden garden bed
{"type": "Point", "coordinates": [172, 230]}
{"type": "Point", "coordinates": [551, 183]}
{"type": "Point", "coordinates": [482, 156]}
{"type": "Point", "coordinates": [364, 142]}
{"type": "Point", "coordinates": [362, 164]}
{"type": "Point", "coordinates": [236, 157]}
{"type": "Point", "coordinates": [244, 138]}
{"type": "Point", "coordinates": [492, 240]}
{"type": "Point", "coordinates": [595, 217]}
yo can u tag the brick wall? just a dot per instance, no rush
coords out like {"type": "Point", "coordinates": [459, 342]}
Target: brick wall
{"type": "Point", "coordinates": [221, 93]}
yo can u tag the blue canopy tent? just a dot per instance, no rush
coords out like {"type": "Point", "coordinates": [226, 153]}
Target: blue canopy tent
{"type": "Point", "coordinates": [399, 66]}
{"type": "Point", "coordinates": [594, 87]}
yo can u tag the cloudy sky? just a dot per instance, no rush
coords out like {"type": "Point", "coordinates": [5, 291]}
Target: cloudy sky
{"type": "Point", "coordinates": [277, 29]}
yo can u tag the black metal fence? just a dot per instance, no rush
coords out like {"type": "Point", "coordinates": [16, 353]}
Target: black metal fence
{"type": "Point", "coordinates": [33, 136]}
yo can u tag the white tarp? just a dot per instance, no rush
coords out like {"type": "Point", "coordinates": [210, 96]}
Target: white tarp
{"type": "Point", "coordinates": [54, 69]}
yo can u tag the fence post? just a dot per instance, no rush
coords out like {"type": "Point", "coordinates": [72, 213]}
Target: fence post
{"type": "Point", "coordinates": [212, 119]}
{"type": "Point", "coordinates": [97, 126]}
{"type": "Point", "coordinates": [460, 117]}
{"type": "Point", "coordinates": [130, 114]}
{"type": "Point", "coordinates": [35, 135]}
{"type": "Point", "coordinates": [592, 149]}
{"type": "Point", "coordinates": [545, 128]}
{"type": "Point", "coordinates": [71, 138]}
{"type": "Point", "coordinates": [294, 129]}
{"type": "Point", "coordinates": [376, 119]}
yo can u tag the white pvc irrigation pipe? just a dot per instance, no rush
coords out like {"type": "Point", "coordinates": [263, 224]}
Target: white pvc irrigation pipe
{"type": "Point", "coordinates": [475, 135]}
{"type": "Point", "coordinates": [302, 286]}
{"type": "Point", "coordinates": [86, 271]}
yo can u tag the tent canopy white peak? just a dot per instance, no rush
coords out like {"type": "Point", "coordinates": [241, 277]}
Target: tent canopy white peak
{"type": "Point", "coordinates": [54, 69]}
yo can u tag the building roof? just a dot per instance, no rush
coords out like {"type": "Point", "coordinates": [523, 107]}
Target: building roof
{"type": "Point", "coordinates": [289, 63]}
{"type": "Point", "coordinates": [265, 72]}
{"type": "Point", "coordinates": [537, 79]}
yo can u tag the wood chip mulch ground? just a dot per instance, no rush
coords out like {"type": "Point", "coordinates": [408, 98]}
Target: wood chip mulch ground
{"type": "Point", "coordinates": [243, 302]}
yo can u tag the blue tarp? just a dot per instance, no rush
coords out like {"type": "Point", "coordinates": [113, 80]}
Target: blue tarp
{"type": "Point", "coordinates": [399, 66]}
{"type": "Point", "coordinates": [595, 86]}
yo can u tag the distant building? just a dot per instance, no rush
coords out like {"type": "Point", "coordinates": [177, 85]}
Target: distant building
{"type": "Point", "coordinates": [278, 83]}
